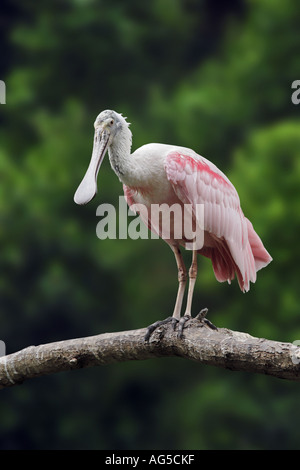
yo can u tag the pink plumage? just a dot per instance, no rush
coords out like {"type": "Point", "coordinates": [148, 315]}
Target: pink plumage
{"type": "Point", "coordinates": [230, 240]}
{"type": "Point", "coordinates": [168, 175]}
{"type": "Point", "coordinates": [232, 244]}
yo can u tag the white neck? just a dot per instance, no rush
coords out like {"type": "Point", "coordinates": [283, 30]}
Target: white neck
{"type": "Point", "coordinates": [119, 156]}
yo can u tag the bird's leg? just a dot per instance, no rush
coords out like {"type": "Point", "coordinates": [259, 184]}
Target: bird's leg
{"type": "Point", "coordinates": [182, 277]}
{"type": "Point", "coordinates": [192, 280]}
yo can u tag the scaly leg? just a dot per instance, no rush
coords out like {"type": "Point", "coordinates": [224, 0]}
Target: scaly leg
{"type": "Point", "coordinates": [182, 277]}
{"type": "Point", "coordinates": [192, 280]}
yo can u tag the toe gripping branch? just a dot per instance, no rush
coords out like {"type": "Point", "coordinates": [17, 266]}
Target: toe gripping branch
{"type": "Point", "coordinates": [159, 323]}
{"type": "Point", "coordinates": [201, 317]}
{"type": "Point", "coordinates": [181, 324]}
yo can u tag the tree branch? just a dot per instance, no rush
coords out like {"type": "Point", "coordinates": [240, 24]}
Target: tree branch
{"type": "Point", "coordinates": [222, 348]}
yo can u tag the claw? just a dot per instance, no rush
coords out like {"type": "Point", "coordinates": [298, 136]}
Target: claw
{"type": "Point", "coordinates": [182, 322]}
{"type": "Point", "coordinates": [157, 324]}
{"type": "Point", "coordinates": [202, 314]}
{"type": "Point", "coordinates": [201, 317]}
{"type": "Point", "coordinates": [210, 324]}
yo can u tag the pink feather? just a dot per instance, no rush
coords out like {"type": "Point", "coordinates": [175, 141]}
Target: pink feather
{"type": "Point", "coordinates": [232, 243]}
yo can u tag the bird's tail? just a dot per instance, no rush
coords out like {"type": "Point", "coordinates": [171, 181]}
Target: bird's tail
{"type": "Point", "coordinates": [244, 264]}
{"type": "Point", "coordinates": [261, 257]}
{"type": "Point", "coordinates": [256, 257]}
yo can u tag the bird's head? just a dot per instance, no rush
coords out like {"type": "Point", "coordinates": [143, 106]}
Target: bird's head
{"type": "Point", "coordinates": [108, 129]}
{"type": "Point", "coordinates": [108, 124]}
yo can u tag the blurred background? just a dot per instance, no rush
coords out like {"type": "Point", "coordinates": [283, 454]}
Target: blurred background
{"type": "Point", "coordinates": [211, 75]}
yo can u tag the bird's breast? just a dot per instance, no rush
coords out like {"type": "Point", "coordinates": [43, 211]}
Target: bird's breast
{"type": "Point", "coordinates": [154, 194]}
{"type": "Point", "coordinates": [147, 177]}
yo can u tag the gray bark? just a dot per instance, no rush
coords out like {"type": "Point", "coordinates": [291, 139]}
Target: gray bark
{"type": "Point", "coordinates": [222, 348]}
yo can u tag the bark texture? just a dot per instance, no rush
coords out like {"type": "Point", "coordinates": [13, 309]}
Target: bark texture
{"type": "Point", "coordinates": [217, 347]}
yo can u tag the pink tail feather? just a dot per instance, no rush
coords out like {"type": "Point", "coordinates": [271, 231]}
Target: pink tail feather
{"type": "Point", "coordinates": [261, 256]}
{"type": "Point", "coordinates": [254, 257]}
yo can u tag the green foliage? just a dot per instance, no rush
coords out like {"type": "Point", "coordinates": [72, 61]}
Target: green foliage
{"type": "Point", "coordinates": [207, 75]}
{"type": "Point", "coordinates": [272, 156]}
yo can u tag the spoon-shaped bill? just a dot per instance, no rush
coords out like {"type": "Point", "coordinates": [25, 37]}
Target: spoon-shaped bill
{"type": "Point", "coordinates": [88, 186]}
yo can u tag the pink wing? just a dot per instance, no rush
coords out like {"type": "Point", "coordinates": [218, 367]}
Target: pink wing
{"type": "Point", "coordinates": [234, 246]}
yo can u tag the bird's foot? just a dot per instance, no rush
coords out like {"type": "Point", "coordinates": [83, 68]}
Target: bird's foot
{"type": "Point", "coordinates": [159, 323]}
{"type": "Point", "coordinates": [200, 317]}
{"type": "Point", "coordinates": [181, 323]}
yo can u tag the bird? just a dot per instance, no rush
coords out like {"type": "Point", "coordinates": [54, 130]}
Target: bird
{"type": "Point", "coordinates": [166, 175]}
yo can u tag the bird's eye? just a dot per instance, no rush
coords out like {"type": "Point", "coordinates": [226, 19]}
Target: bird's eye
{"type": "Point", "coordinates": [111, 122]}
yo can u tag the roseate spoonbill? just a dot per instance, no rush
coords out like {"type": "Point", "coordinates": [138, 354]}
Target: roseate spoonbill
{"type": "Point", "coordinates": [160, 173]}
